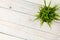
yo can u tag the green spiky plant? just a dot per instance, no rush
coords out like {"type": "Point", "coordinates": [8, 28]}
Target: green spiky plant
{"type": "Point", "coordinates": [47, 14]}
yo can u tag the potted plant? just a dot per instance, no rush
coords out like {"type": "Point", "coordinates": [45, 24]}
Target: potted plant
{"type": "Point", "coordinates": [47, 14]}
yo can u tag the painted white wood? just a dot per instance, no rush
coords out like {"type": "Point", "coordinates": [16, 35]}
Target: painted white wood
{"type": "Point", "coordinates": [16, 19]}
{"type": "Point", "coordinates": [6, 37]}
{"type": "Point", "coordinates": [20, 5]}
{"type": "Point", "coordinates": [41, 1]}
{"type": "Point", "coordinates": [20, 18]}
{"type": "Point", "coordinates": [24, 32]}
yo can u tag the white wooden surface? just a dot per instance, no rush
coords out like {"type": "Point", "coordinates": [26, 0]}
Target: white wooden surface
{"type": "Point", "coordinates": [16, 22]}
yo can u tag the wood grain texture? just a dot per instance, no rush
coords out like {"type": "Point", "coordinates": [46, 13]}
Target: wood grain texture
{"type": "Point", "coordinates": [16, 18]}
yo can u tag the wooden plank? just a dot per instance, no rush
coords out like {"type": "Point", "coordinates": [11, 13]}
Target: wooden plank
{"type": "Point", "coordinates": [16, 19]}
{"type": "Point", "coordinates": [22, 31]}
{"type": "Point", "coordinates": [20, 18]}
{"type": "Point", "coordinates": [20, 5]}
{"type": "Point", "coordinates": [6, 37]}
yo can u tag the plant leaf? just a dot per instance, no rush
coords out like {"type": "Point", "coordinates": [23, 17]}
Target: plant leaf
{"type": "Point", "coordinates": [45, 2]}
{"type": "Point", "coordinates": [49, 5]}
